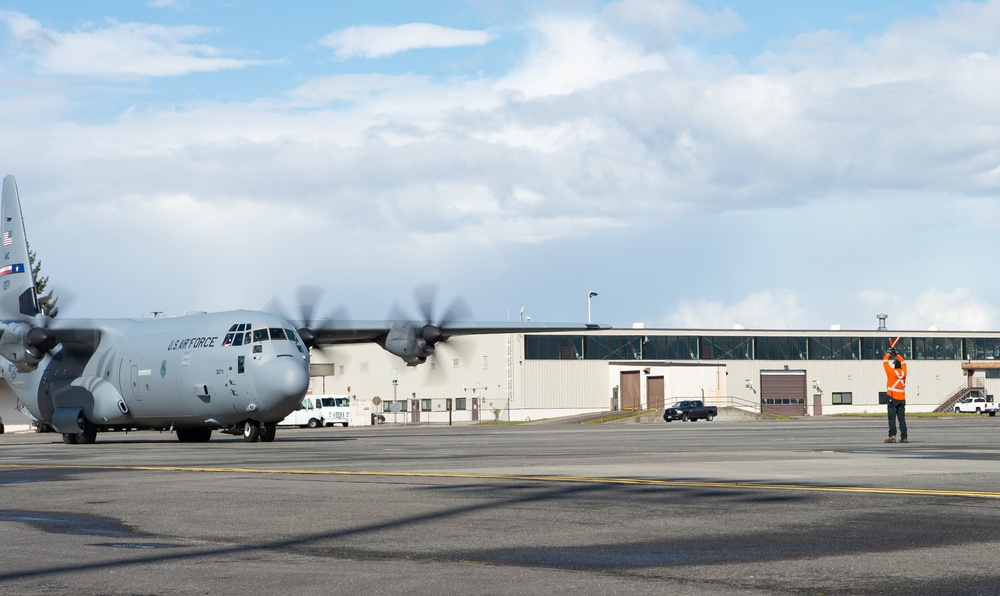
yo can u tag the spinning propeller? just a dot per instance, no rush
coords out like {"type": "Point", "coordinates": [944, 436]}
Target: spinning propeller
{"type": "Point", "coordinates": [306, 322]}
{"type": "Point", "coordinates": [416, 340]}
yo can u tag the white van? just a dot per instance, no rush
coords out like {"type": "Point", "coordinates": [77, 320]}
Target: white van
{"type": "Point", "coordinates": [306, 414]}
{"type": "Point", "coordinates": [336, 409]}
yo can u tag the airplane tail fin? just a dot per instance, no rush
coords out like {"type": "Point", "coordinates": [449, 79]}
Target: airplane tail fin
{"type": "Point", "coordinates": [17, 282]}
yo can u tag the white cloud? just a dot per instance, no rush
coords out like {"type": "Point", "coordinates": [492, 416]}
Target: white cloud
{"type": "Point", "coordinates": [770, 309]}
{"type": "Point", "coordinates": [371, 41]}
{"type": "Point", "coordinates": [117, 50]}
{"type": "Point", "coordinates": [572, 54]}
{"type": "Point", "coordinates": [957, 310]}
{"type": "Point", "coordinates": [666, 20]}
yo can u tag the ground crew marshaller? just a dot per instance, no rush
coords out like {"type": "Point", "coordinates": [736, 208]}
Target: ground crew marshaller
{"type": "Point", "coordinates": [895, 386]}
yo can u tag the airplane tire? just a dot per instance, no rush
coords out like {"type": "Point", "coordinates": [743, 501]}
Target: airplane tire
{"type": "Point", "coordinates": [267, 431]}
{"type": "Point", "coordinates": [251, 431]}
{"type": "Point", "coordinates": [70, 438]}
{"type": "Point", "coordinates": [89, 434]}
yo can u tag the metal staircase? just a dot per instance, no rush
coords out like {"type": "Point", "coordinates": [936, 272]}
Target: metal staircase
{"type": "Point", "coordinates": [960, 394]}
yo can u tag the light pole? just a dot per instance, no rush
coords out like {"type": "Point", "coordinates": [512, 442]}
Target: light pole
{"type": "Point", "coordinates": [589, 296]}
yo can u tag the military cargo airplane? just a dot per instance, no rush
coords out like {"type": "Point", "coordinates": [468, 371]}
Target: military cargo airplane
{"type": "Point", "coordinates": [238, 372]}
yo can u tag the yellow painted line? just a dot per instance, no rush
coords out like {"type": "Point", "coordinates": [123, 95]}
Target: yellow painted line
{"type": "Point", "coordinates": [532, 477]}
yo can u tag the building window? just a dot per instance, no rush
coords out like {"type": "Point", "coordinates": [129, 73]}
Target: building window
{"type": "Point", "coordinates": [726, 348]}
{"type": "Point", "coordinates": [781, 348]}
{"type": "Point", "coordinates": [842, 397]}
{"type": "Point", "coordinates": [937, 348]}
{"type": "Point", "coordinates": [553, 347]}
{"type": "Point", "coordinates": [834, 348]}
{"type": "Point", "coordinates": [982, 348]}
{"type": "Point", "coordinates": [459, 403]}
{"type": "Point", "coordinates": [614, 347]}
{"type": "Point", "coordinates": [425, 405]}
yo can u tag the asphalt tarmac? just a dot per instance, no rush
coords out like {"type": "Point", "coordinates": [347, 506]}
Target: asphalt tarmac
{"type": "Point", "coordinates": [809, 506]}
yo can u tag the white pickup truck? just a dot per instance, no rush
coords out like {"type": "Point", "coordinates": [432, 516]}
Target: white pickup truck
{"type": "Point", "coordinates": [977, 405]}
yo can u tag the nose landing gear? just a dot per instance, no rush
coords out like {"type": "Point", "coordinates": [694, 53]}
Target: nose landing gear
{"type": "Point", "coordinates": [254, 431]}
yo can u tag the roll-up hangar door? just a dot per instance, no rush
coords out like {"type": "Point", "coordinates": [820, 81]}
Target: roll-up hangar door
{"type": "Point", "coordinates": [783, 392]}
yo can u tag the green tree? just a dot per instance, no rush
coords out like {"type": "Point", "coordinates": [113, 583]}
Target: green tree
{"type": "Point", "coordinates": [48, 303]}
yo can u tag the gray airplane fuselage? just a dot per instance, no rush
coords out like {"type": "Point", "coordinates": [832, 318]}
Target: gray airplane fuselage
{"type": "Point", "coordinates": [198, 371]}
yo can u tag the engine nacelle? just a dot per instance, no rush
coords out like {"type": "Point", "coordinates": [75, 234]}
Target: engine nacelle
{"type": "Point", "coordinates": [24, 345]}
{"type": "Point", "coordinates": [412, 342]}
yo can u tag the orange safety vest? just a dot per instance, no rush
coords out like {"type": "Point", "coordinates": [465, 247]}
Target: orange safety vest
{"type": "Point", "coordinates": [895, 378]}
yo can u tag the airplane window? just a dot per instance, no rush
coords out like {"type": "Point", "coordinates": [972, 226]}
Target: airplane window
{"type": "Point", "coordinates": [238, 339]}
{"type": "Point", "coordinates": [258, 349]}
{"type": "Point", "coordinates": [277, 333]}
{"type": "Point", "coordinates": [228, 339]}
{"type": "Point", "coordinates": [246, 337]}
{"type": "Point", "coordinates": [233, 328]}
{"type": "Point", "coordinates": [260, 334]}
{"type": "Point", "coordinates": [243, 327]}
{"type": "Point", "coordinates": [290, 334]}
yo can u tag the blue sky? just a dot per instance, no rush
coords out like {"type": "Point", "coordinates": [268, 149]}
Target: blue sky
{"type": "Point", "coordinates": [699, 164]}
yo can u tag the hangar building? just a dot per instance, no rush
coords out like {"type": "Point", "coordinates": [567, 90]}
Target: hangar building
{"type": "Point", "coordinates": [532, 376]}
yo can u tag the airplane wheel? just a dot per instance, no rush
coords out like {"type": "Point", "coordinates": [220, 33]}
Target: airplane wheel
{"type": "Point", "coordinates": [267, 431]}
{"type": "Point", "coordinates": [69, 439]}
{"type": "Point", "coordinates": [89, 434]}
{"type": "Point", "coordinates": [251, 431]}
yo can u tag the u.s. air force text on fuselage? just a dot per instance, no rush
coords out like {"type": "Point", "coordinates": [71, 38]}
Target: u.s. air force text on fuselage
{"type": "Point", "coordinates": [192, 343]}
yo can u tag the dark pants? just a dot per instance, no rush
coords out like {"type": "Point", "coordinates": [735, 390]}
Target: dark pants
{"type": "Point", "coordinates": [897, 409]}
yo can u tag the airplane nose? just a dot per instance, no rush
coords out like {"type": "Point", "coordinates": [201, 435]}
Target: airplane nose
{"type": "Point", "coordinates": [281, 381]}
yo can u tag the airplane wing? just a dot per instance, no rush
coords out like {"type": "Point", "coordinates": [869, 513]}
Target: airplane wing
{"type": "Point", "coordinates": [414, 341]}
{"type": "Point", "coordinates": [331, 331]}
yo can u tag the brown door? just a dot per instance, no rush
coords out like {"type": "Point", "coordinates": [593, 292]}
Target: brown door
{"type": "Point", "coordinates": [414, 410]}
{"type": "Point", "coordinates": [654, 393]}
{"type": "Point", "coordinates": [817, 405]}
{"type": "Point", "coordinates": [630, 390]}
{"type": "Point", "coordinates": [475, 409]}
{"type": "Point", "coordinates": [783, 392]}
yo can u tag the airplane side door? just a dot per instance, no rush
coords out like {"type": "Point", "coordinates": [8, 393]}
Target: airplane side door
{"type": "Point", "coordinates": [129, 379]}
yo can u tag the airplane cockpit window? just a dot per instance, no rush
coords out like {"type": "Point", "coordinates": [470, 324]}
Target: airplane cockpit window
{"type": "Point", "coordinates": [260, 335]}
{"type": "Point", "coordinates": [238, 335]}
{"type": "Point", "coordinates": [277, 333]}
